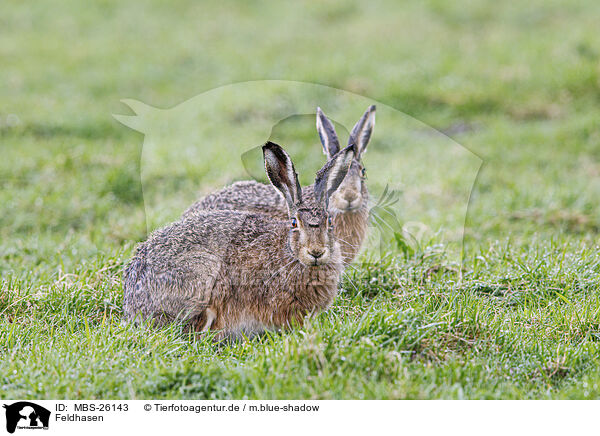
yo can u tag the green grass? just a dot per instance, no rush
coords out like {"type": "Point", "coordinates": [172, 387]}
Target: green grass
{"type": "Point", "coordinates": [512, 313]}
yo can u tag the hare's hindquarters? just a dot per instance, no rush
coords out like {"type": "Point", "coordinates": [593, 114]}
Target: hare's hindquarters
{"type": "Point", "coordinates": [174, 273]}
{"type": "Point", "coordinates": [136, 301]}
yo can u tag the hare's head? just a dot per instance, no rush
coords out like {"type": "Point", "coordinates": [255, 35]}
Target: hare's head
{"type": "Point", "coordinates": [352, 193]}
{"type": "Point", "coordinates": [311, 238]}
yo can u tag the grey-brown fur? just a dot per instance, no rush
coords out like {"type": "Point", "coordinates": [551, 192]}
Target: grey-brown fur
{"type": "Point", "coordinates": [240, 272]}
{"type": "Point", "coordinates": [348, 206]}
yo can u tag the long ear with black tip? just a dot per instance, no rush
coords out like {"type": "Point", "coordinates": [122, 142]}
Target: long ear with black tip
{"type": "Point", "coordinates": [332, 174]}
{"type": "Point", "coordinates": [361, 133]}
{"type": "Point", "coordinates": [329, 139]}
{"type": "Point", "coordinates": [281, 173]}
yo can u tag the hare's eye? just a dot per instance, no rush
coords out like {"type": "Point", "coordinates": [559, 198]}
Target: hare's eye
{"type": "Point", "coordinates": [294, 223]}
{"type": "Point", "coordinates": [363, 172]}
{"type": "Point", "coordinates": [330, 222]}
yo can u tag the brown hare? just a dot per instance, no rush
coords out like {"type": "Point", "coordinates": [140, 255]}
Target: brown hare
{"type": "Point", "coordinates": [348, 205]}
{"type": "Point", "coordinates": [241, 272]}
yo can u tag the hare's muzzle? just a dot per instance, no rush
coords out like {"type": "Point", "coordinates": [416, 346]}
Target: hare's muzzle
{"type": "Point", "coordinates": [315, 256]}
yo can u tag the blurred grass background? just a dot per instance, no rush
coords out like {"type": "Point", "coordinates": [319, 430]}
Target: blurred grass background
{"type": "Point", "coordinates": [516, 84]}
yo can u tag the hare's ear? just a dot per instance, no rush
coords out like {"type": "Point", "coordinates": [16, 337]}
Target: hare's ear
{"type": "Point", "coordinates": [361, 133]}
{"type": "Point", "coordinates": [332, 174]}
{"type": "Point", "coordinates": [281, 173]}
{"type": "Point", "coordinates": [329, 139]}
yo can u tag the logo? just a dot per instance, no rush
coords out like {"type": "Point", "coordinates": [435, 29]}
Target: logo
{"type": "Point", "coordinates": [26, 415]}
{"type": "Point", "coordinates": [410, 167]}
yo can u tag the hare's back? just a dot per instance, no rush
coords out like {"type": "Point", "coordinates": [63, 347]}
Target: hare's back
{"type": "Point", "coordinates": [208, 238]}
{"type": "Point", "coordinates": [201, 237]}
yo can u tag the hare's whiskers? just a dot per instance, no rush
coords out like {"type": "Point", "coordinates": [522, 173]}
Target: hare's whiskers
{"type": "Point", "coordinates": [348, 243]}
{"type": "Point", "coordinates": [349, 280]}
{"type": "Point", "coordinates": [280, 269]}
{"type": "Point", "coordinates": [349, 265]}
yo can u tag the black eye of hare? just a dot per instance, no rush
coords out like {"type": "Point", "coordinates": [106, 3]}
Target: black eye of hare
{"type": "Point", "coordinates": [363, 172]}
{"type": "Point", "coordinates": [330, 222]}
{"type": "Point", "coordinates": [294, 223]}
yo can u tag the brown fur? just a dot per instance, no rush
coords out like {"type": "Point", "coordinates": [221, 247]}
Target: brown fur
{"type": "Point", "coordinates": [237, 272]}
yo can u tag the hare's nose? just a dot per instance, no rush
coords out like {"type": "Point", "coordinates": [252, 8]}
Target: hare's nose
{"type": "Point", "coordinates": [316, 253]}
{"type": "Point", "coordinates": [350, 196]}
